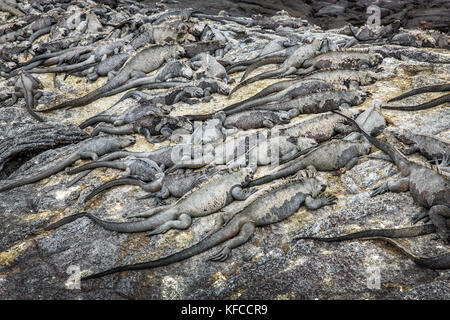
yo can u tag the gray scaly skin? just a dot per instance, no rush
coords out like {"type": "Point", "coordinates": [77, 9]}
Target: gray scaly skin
{"type": "Point", "coordinates": [346, 76]}
{"type": "Point", "coordinates": [430, 147]}
{"type": "Point", "coordinates": [89, 149]}
{"type": "Point", "coordinates": [99, 53]}
{"type": "Point", "coordinates": [255, 149]}
{"type": "Point", "coordinates": [289, 66]}
{"type": "Point", "coordinates": [145, 61]}
{"type": "Point", "coordinates": [256, 119]}
{"type": "Point", "coordinates": [259, 61]}
{"type": "Point", "coordinates": [326, 157]}
{"type": "Point", "coordinates": [341, 60]}
{"type": "Point", "coordinates": [429, 189]}
{"type": "Point", "coordinates": [29, 85]}
{"type": "Point", "coordinates": [141, 168]}
{"type": "Point", "coordinates": [175, 185]}
{"type": "Point", "coordinates": [148, 125]}
{"type": "Point", "coordinates": [209, 197]}
{"type": "Point", "coordinates": [275, 93]}
{"type": "Point", "coordinates": [274, 205]}
{"type": "Point", "coordinates": [318, 102]}
{"type": "Point", "coordinates": [172, 69]}
{"type": "Point", "coordinates": [128, 116]}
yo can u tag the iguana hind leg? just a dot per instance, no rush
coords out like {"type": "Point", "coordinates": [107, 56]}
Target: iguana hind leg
{"type": "Point", "coordinates": [398, 185]}
{"type": "Point", "coordinates": [244, 234]}
{"type": "Point", "coordinates": [182, 222]}
{"type": "Point", "coordinates": [438, 215]}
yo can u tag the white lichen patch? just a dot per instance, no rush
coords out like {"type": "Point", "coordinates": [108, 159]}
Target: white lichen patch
{"type": "Point", "coordinates": [172, 288]}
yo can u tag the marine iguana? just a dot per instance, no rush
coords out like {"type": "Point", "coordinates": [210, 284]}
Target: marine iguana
{"type": "Point", "coordinates": [325, 157]}
{"type": "Point", "coordinates": [270, 206]}
{"type": "Point", "coordinates": [146, 60]}
{"type": "Point", "coordinates": [341, 60]}
{"type": "Point", "coordinates": [143, 169]}
{"type": "Point", "coordinates": [268, 57]}
{"type": "Point", "coordinates": [285, 91]}
{"type": "Point", "coordinates": [128, 116]}
{"type": "Point", "coordinates": [331, 77]}
{"type": "Point", "coordinates": [148, 126]}
{"type": "Point", "coordinates": [429, 189]}
{"type": "Point", "coordinates": [89, 149]}
{"type": "Point", "coordinates": [175, 185]}
{"type": "Point", "coordinates": [207, 198]}
{"type": "Point", "coordinates": [26, 86]}
{"type": "Point", "coordinates": [318, 102]}
{"type": "Point", "coordinates": [289, 66]}
{"type": "Point", "coordinates": [255, 150]}
{"type": "Point", "coordinates": [98, 54]}
{"type": "Point", "coordinates": [255, 119]}
{"type": "Point", "coordinates": [430, 147]}
{"type": "Point", "coordinates": [172, 69]}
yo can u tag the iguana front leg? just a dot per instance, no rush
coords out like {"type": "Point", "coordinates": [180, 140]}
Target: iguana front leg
{"type": "Point", "coordinates": [244, 234]}
{"type": "Point", "coordinates": [316, 203]}
{"type": "Point", "coordinates": [399, 185]}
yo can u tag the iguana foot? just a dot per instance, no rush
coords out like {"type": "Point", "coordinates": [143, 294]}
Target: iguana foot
{"type": "Point", "coordinates": [221, 255]}
{"type": "Point", "coordinates": [379, 190]}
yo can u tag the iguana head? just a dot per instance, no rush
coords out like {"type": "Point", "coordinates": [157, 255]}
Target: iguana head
{"type": "Point", "coordinates": [404, 136]}
{"type": "Point", "coordinates": [313, 184]}
{"type": "Point", "coordinates": [125, 141]}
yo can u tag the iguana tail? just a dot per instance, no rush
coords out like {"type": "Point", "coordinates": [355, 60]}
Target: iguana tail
{"type": "Point", "coordinates": [388, 233]}
{"type": "Point", "coordinates": [66, 220]}
{"type": "Point", "coordinates": [42, 175]}
{"type": "Point", "coordinates": [434, 88]}
{"type": "Point", "coordinates": [395, 155]}
{"type": "Point", "coordinates": [90, 97]}
{"type": "Point", "coordinates": [256, 65]}
{"type": "Point", "coordinates": [93, 120]}
{"type": "Point", "coordinates": [439, 262]}
{"type": "Point", "coordinates": [427, 105]}
{"type": "Point", "coordinates": [121, 182]}
{"type": "Point", "coordinates": [209, 242]}
{"type": "Point", "coordinates": [261, 76]}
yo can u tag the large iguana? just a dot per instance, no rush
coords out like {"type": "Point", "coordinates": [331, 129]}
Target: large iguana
{"type": "Point", "coordinates": [429, 188]}
{"type": "Point", "coordinates": [207, 198]}
{"type": "Point", "coordinates": [271, 206]}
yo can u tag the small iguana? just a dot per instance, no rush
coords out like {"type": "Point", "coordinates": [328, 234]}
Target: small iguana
{"type": "Point", "coordinates": [143, 169]}
{"type": "Point", "coordinates": [429, 189]}
{"type": "Point", "coordinates": [289, 66]}
{"type": "Point", "coordinates": [325, 157]}
{"type": "Point", "coordinates": [145, 61]}
{"type": "Point", "coordinates": [175, 185]}
{"type": "Point", "coordinates": [89, 149]}
{"type": "Point", "coordinates": [429, 146]}
{"type": "Point", "coordinates": [272, 206]}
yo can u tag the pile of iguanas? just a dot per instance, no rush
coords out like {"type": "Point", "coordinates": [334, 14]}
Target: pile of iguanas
{"type": "Point", "coordinates": [164, 59]}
